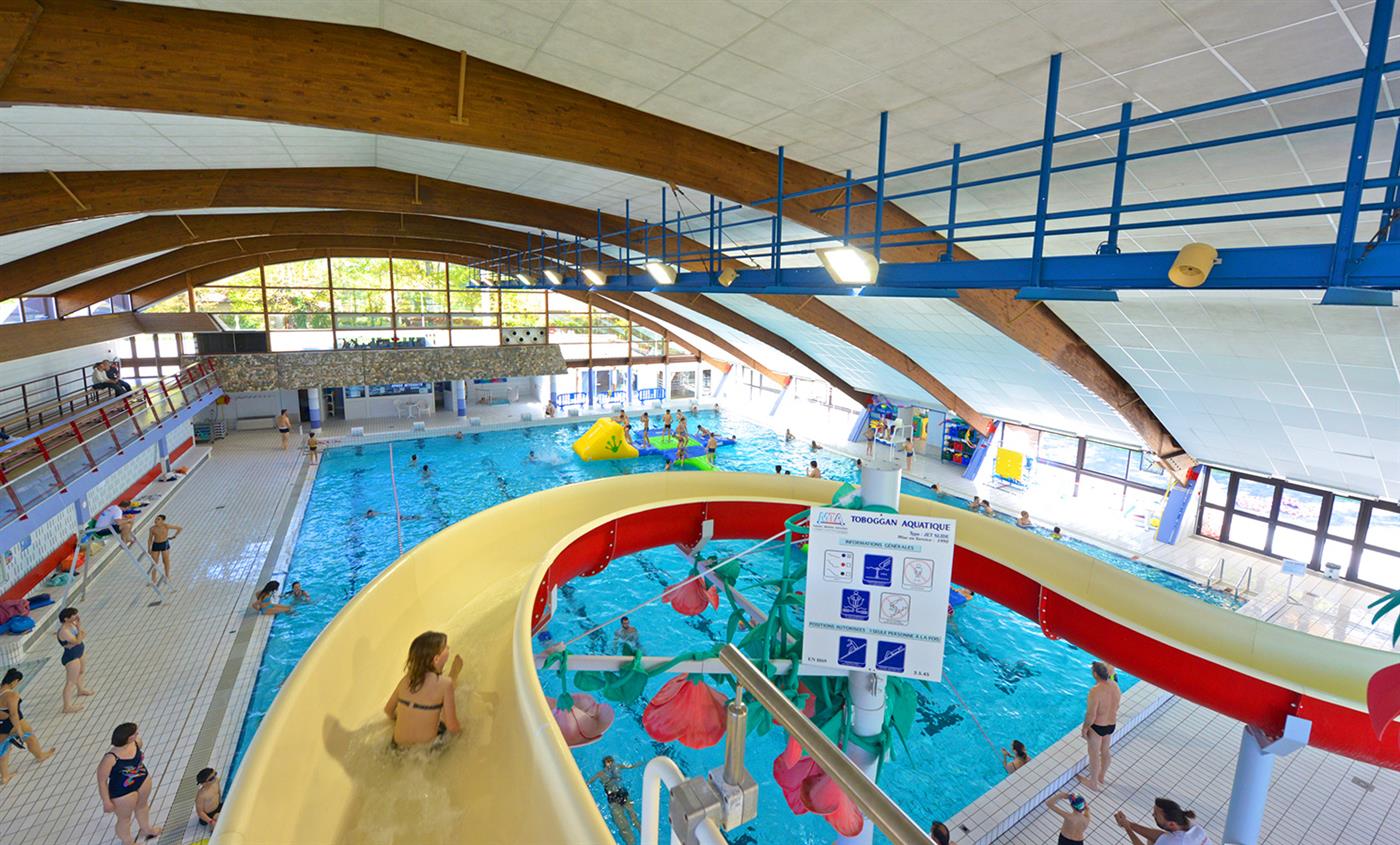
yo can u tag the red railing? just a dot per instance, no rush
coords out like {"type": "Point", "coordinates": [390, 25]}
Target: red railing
{"type": "Point", "coordinates": [44, 462]}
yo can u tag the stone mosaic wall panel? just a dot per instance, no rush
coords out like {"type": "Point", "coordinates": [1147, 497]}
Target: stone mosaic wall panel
{"type": "Point", "coordinates": [300, 370]}
{"type": "Point", "coordinates": [304, 370]}
{"type": "Point", "coordinates": [250, 373]}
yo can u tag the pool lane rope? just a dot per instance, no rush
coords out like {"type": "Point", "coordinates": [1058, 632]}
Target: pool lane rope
{"type": "Point", "coordinates": [949, 681]}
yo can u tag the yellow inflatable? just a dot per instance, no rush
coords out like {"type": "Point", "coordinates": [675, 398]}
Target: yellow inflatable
{"type": "Point", "coordinates": [604, 441]}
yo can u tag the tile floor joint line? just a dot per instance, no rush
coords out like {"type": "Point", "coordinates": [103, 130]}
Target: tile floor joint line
{"type": "Point", "coordinates": [182, 809]}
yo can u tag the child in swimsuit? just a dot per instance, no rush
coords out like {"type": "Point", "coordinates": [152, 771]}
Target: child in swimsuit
{"type": "Point", "coordinates": [1075, 820]}
{"type": "Point", "coordinates": [422, 706]}
{"type": "Point", "coordinates": [14, 728]}
{"type": "Point", "coordinates": [70, 638]}
{"type": "Point", "coordinates": [208, 803]}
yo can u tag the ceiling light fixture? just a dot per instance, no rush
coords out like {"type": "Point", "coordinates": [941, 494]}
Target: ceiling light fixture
{"type": "Point", "coordinates": [595, 277]}
{"type": "Point", "coordinates": [727, 276]}
{"type": "Point", "coordinates": [554, 277]}
{"type": "Point", "coordinates": [526, 279]}
{"type": "Point", "coordinates": [849, 265]}
{"type": "Point", "coordinates": [664, 274]}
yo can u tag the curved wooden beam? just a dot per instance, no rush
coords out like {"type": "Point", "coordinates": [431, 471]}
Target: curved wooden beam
{"type": "Point", "coordinates": [618, 311]}
{"type": "Point", "coordinates": [838, 325]}
{"type": "Point", "coordinates": [647, 314]}
{"type": "Point", "coordinates": [194, 240]}
{"type": "Point", "coordinates": [369, 80]}
{"type": "Point", "coordinates": [701, 304]}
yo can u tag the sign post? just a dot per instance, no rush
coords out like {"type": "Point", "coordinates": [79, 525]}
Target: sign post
{"type": "Point", "coordinates": [877, 592]}
{"type": "Point", "coordinates": [1292, 568]}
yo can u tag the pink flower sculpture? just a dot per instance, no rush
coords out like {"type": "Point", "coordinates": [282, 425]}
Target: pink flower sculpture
{"type": "Point", "coordinates": [687, 711]}
{"type": "Point", "coordinates": [689, 598]}
{"type": "Point", "coordinates": [809, 789]}
{"type": "Point", "coordinates": [585, 721]}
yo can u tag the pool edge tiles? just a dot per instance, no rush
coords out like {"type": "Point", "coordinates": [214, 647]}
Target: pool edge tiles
{"type": "Point", "coordinates": [1022, 792]}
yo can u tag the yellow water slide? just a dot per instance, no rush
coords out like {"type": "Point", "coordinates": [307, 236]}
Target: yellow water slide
{"type": "Point", "coordinates": [318, 770]}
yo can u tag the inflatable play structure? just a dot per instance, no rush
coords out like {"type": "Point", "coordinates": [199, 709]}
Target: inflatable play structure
{"type": "Point", "coordinates": [606, 440]}
{"type": "Point", "coordinates": [325, 731]}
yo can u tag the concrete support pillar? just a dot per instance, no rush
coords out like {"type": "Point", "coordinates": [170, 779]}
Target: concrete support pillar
{"type": "Point", "coordinates": [631, 396]}
{"type": "Point", "coordinates": [313, 409]}
{"type": "Point", "coordinates": [1250, 791]}
{"type": "Point", "coordinates": [459, 398]}
{"type": "Point", "coordinates": [723, 380]}
{"type": "Point", "coordinates": [163, 452]}
{"type": "Point", "coordinates": [778, 403]}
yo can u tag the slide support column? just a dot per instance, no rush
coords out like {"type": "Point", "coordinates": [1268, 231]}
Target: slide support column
{"type": "Point", "coordinates": [878, 486]}
{"type": "Point", "coordinates": [1250, 791]}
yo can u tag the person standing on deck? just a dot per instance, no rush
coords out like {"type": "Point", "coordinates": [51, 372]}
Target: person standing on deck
{"type": "Point", "coordinates": [1100, 720]}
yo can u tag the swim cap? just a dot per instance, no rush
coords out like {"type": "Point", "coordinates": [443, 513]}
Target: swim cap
{"type": "Point", "coordinates": [1077, 802]}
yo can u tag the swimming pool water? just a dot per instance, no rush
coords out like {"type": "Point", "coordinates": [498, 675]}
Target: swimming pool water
{"type": "Point", "coordinates": [1019, 684]}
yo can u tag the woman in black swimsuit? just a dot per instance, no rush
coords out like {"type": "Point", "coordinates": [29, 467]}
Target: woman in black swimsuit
{"type": "Point", "coordinates": [70, 639]}
{"type": "Point", "coordinates": [15, 730]}
{"type": "Point", "coordinates": [125, 785]}
{"type": "Point", "coordinates": [422, 706]}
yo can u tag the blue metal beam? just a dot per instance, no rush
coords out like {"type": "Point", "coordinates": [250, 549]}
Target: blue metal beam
{"type": "Point", "coordinates": [1361, 141]}
{"type": "Point", "coordinates": [1252, 268]}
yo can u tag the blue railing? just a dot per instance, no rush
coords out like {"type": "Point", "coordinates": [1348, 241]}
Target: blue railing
{"type": "Point", "coordinates": [1374, 265]}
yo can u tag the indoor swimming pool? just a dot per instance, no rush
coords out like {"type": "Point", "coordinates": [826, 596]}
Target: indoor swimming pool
{"type": "Point", "coordinates": [1017, 683]}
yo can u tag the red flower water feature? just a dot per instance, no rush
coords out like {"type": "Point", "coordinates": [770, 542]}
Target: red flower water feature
{"type": "Point", "coordinates": [809, 789]}
{"type": "Point", "coordinates": [582, 719]}
{"type": "Point", "coordinates": [689, 598]}
{"type": "Point", "coordinates": [685, 710]}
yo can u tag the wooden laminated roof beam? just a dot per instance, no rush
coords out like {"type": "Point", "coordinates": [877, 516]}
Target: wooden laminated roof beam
{"type": "Point", "coordinates": [88, 53]}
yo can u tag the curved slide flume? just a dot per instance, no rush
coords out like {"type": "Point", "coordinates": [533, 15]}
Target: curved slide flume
{"type": "Point", "coordinates": [317, 771]}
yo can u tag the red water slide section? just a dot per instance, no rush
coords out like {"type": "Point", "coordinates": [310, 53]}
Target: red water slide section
{"type": "Point", "coordinates": [1236, 694]}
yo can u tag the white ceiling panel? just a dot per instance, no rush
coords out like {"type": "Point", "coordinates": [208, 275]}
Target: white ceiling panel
{"type": "Point", "coordinates": [984, 367]}
{"type": "Point", "coordinates": [761, 351]}
{"type": "Point", "coordinates": [1265, 382]}
{"type": "Point", "coordinates": [855, 366]}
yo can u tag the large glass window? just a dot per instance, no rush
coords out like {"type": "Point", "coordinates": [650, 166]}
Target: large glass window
{"type": "Point", "coordinates": [297, 274]}
{"type": "Point", "coordinates": [1360, 538]}
{"type": "Point", "coordinates": [360, 273]}
{"type": "Point", "coordinates": [411, 274]}
{"type": "Point", "coordinates": [1105, 459]}
{"type": "Point", "coordinates": [1059, 449]}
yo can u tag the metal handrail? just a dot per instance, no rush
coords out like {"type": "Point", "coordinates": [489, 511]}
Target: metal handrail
{"type": "Point", "coordinates": [116, 424]}
{"type": "Point", "coordinates": [872, 801]}
{"type": "Point", "coordinates": [14, 408]}
{"type": "Point", "coordinates": [1246, 578]}
{"type": "Point", "coordinates": [1217, 574]}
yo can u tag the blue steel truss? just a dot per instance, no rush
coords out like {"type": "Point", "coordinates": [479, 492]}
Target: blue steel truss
{"type": "Point", "coordinates": [1350, 273]}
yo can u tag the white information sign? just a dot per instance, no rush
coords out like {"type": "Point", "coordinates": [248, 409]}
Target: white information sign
{"type": "Point", "coordinates": [877, 592]}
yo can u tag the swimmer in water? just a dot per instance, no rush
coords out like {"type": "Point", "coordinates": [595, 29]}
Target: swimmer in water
{"type": "Point", "coordinates": [815, 446]}
{"type": "Point", "coordinates": [1016, 757]}
{"type": "Point", "coordinates": [413, 460]}
{"type": "Point", "coordinates": [1025, 520]}
{"type": "Point", "coordinates": [814, 471]}
{"type": "Point", "coordinates": [371, 513]}
{"type": "Point", "coordinates": [531, 457]}
{"type": "Point", "coordinates": [1055, 533]}
{"type": "Point", "coordinates": [425, 470]}
{"type": "Point", "coordinates": [789, 437]}
{"type": "Point", "coordinates": [624, 815]}
{"type": "Point", "coordinates": [669, 464]}
{"type": "Point", "coordinates": [423, 707]}
{"type": "Point", "coordinates": [976, 504]}
{"type": "Point", "coordinates": [937, 491]}
{"type": "Point", "coordinates": [711, 448]}
{"type": "Point", "coordinates": [297, 593]}
{"type": "Point", "coordinates": [457, 436]}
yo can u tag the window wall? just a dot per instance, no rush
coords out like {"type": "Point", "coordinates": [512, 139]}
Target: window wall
{"type": "Point", "coordinates": [1106, 475]}
{"type": "Point", "coordinates": [338, 303]}
{"type": "Point", "coordinates": [32, 309]}
{"type": "Point", "coordinates": [1285, 520]}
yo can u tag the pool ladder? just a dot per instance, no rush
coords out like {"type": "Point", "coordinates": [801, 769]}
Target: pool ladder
{"type": "Point", "coordinates": [1246, 580]}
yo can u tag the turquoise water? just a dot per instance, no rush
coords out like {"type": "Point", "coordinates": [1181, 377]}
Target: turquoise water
{"type": "Point", "coordinates": [1018, 684]}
